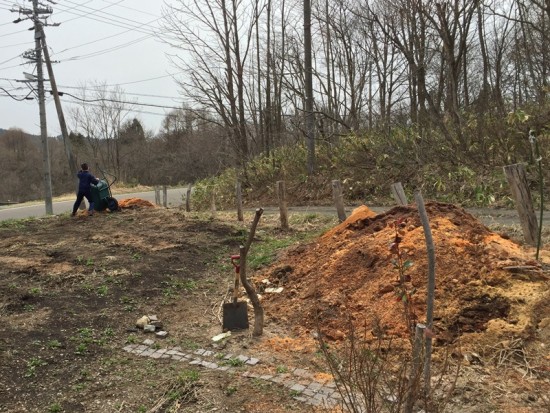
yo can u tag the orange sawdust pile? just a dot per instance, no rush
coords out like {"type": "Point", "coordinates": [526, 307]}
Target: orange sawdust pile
{"type": "Point", "coordinates": [347, 274]}
{"type": "Point", "coordinates": [135, 203]}
{"type": "Point", "coordinates": [359, 213]}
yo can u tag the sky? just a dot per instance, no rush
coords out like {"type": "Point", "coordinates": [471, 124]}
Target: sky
{"type": "Point", "coordinates": [98, 41]}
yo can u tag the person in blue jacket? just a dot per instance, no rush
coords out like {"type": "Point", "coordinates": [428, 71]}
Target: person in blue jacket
{"type": "Point", "coordinates": [86, 179]}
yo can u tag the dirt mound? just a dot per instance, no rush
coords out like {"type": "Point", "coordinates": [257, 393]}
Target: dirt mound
{"type": "Point", "coordinates": [483, 280]}
{"type": "Point", "coordinates": [134, 203]}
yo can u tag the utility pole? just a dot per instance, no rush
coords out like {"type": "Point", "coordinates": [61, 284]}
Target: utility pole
{"type": "Point", "coordinates": [36, 56]}
{"type": "Point", "coordinates": [308, 69]}
{"type": "Point", "coordinates": [42, 109]}
{"type": "Point", "coordinates": [62, 123]}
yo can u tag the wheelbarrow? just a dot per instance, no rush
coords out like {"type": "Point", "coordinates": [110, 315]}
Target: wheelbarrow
{"type": "Point", "coordinates": [235, 313]}
{"type": "Point", "coordinates": [102, 196]}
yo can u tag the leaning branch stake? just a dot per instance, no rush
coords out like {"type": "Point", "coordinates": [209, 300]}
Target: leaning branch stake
{"type": "Point", "coordinates": [250, 291]}
{"type": "Point", "coordinates": [431, 287]}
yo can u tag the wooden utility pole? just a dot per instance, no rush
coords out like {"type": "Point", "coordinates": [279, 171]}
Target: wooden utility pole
{"type": "Point", "coordinates": [62, 124]}
{"type": "Point", "coordinates": [36, 56]}
{"type": "Point", "coordinates": [42, 110]}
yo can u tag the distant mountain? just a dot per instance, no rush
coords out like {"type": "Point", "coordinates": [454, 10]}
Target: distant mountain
{"type": "Point", "coordinates": [34, 138]}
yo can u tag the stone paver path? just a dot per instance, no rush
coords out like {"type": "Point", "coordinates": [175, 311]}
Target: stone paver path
{"type": "Point", "coordinates": [303, 385]}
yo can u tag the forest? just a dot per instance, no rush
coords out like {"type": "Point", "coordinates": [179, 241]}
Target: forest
{"type": "Point", "coordinates": [429, 93]}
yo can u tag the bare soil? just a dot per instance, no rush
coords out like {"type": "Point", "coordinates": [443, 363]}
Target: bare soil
{"type": "Point", "coordinates": [71, 290]}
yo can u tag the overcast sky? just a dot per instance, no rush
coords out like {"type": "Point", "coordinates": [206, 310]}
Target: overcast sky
{"type": "Point", "coordinates": [105, 41]}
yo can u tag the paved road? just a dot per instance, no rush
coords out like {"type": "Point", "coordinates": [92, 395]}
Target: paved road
{"type": "Point", "coordinates": [175, 197]}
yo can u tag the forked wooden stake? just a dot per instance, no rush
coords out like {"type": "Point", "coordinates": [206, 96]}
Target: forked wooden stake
{"type": "Point", "coordinates": [250, 291]}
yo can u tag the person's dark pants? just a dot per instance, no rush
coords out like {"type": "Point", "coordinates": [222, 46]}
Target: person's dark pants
{"type": "Point", "coordinates": [79, 197]}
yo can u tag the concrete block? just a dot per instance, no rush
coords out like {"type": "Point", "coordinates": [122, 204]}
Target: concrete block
{"type": "Point", "coordinates": [252, 361]}
{"type": "Point", "coordinates": [298, 387]}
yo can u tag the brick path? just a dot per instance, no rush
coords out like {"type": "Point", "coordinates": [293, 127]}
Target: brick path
{"type": "Point", "coordinates": [300, 382]}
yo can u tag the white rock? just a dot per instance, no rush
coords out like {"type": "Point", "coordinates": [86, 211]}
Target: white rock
{"type": "Point", "coordinates": [143, 321]}
{"type": "Point", "coordinates": [149, 328]}
{"type": "Point", "coordinates": [221, 336]}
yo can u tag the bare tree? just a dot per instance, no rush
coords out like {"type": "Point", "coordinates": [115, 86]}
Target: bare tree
{"type": "Point", "coordinates": [98, 115]}
{"type": "Point", "coordinates": [214, 39]}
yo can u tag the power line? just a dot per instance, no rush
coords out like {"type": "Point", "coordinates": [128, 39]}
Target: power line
{"type": "Point", "coordinates": [143, 80]}
{"type": "Point", "coordinates": [133, 110]}
{"type": "Point", "coordinates": [9, 60]}
{"type": "Point", "coordinates": [13, 45]}
{"type": "Point", "coordinates": [125, 93]}
{"type": "Point", "coordinates": [109, 14]}
{"type": "Point", "coordinates": [14, 97]}
{"type": "Point", "coordinates": [112, 22]}
{"type": "Point", "coordinates": [113, 84]}
{"type": "Point", "coordinates": [139, 104]}
{"type": "Point", "coordinates": [11, 67]}
{"type": "Point", "coordinates": [119, 101]}
{"type": "Point", "coordinates": [12, 33]}
{"type": "Point", "coordinates": [110, 49]}
{"type": "Point", "coordinates": [94, 41]}
{"type": "Point", "coordinates": [128, 8]}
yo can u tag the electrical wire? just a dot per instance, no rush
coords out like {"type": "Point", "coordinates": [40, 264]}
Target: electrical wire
{"type": "Point", "coordinates": [92, 42]}
{"type": "Point", "coordinates": [9, 60]}
{"type": "Point", "coordinates": [130, 8]}
{"type": "Point", "coordinates": [108, 14]}
{"type": "Point", "coordinates": [126, 93]}
{"type": "Point", "coordinates": [12, 33]}
{"type": "Point", "coordinates": [113, 22]}
{"type": "Point", "coordinates": [11, 67]}
{"type": "Point", "coordinates": [15, 98]}
{"type": "Point", "coordinates": [136, 103]}
{"type": "Point", "coordinates": [119, 101]}
{"type": "Point", "coordinates": [143, 80]}
{"type": "Point", "coordinates": [17, 44]}
{"type": "Point", "coordinates": [95, 105]}
{"type": "Point", "coordinates": [110, 49]}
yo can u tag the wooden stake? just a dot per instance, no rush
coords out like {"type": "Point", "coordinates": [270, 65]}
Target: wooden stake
{"type": "Point", "coordinates": [165, 196]}
{"type": "Point", "coordinates": [213, 202]}
{"type": "Point", "coordinates": [517, 179]}
{"type": "Point", "coordinates": [188, 198]}
{"type": "Point", "coordinates": [399, 194]}
{"type": "Point", "coordinates": [338, 200]}
{"type": "Point", "coordinates": [431, 288]}
{"type": "Point", "coordinates": [157, 195]}
{"type": "Point", "coordinates": [239, 200]}
{"type": "Point", "coordinates": [283, 210]}
{"type": "Point", "coordinates": [416, 369]}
